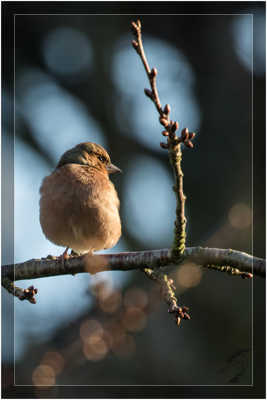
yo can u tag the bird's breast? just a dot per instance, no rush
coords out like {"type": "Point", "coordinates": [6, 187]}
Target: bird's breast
{"type": "Point", "coordinates": [79, 208]}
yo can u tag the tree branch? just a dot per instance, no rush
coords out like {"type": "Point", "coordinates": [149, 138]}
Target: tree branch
{"type": "Point", "coordinates": [224, 260]}
{"type": "Point", "coordinates": [126, 261]}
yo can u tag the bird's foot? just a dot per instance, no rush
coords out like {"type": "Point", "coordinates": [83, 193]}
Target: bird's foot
{"type": "Point", "coordinates": [64, 256]}
{"type": "Point", "coordinates": [74, 253]}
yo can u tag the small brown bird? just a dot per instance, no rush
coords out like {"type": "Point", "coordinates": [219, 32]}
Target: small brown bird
{"type": "Point", "coordinates": [79, 206]}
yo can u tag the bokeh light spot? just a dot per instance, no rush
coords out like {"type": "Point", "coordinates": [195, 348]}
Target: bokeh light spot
{"type": "Point", "coordinates": [135, 297]}
{"type": "Point", "coordinates": [89, 328]}
{"type": "Point", "coordinates": [170, 62]}
{"type": "Point", "coordinates": [111, 302]}
{"type": "Point", "coordinates": [44, 375]}
{"type": "Point", "coordinates": [95, 349]}
{"type": "Point", "coordinates": [58, 119]}
{"type": "Point", "coordinates": [243, 29]}
{"type": "Point", "coordinates": [134, 319]}
{"type": "Point", "coordinates": [240, 216]}
{"type": "Point", "coordinates": [115, 329]}
{"type": "Point", "coordinates": [100, 286]}
{"type": "Point", "coordinates": [67, 51]}
{"type": "Point", "coordinates": [124, 346]}
{"type": "Point", "coordinates": [188, 275]}
{"type": "Point", "coordinates": [55, 360]}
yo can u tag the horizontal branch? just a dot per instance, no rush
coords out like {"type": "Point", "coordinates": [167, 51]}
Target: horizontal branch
{"type": "Point", "coordinates": [206, 257]}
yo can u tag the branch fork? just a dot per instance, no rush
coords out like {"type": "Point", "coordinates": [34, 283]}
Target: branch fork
{"type": "Point", "coordinates": [173, 145]}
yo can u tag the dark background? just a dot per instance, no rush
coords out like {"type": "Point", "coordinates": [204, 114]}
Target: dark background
{"type": "Point", "coordinates": [77, 78]}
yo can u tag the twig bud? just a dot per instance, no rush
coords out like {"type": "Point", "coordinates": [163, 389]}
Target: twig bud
{"type": "Point", "coordinates": [165, 133]}
{"type": "Point", "coordinates": [153, 72]}
{"type": "Point", "coordinates": [246, 275]}
{"type": "Point", "coordinates": [186, 316]}
{"type": "Point", "coordinates": [189, 144]}
{"type": "Point", "coordinates": [134, 28]}
{"type": "Point", "coordinates": [148, 93]}
{"type": "Point", "coordinates": [167, 109]}
{"type": "Point", "coordinates": [164, 145]}
{"type": "Point", "coordinates": [175, 126]}
{"type": "Point", "coordinates": [135, 44]}
{"type": "Point", "coordinates": [185, 134]}
{"type": "Point", "coordinates": [192, 135]}
{"type": "Point", "coordinates": [164, 122]}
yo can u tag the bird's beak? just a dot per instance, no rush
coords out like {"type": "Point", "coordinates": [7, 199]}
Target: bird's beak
{"type": "Point", "coordinates": [112, 169]}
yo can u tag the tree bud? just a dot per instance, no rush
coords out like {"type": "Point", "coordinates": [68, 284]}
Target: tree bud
{"type": "Point", "coordinates": [153, 72]}
{"type": "Point", "coordinates": [148, 93]}
{"type": "Point", "coordinates": [167, 109]}
{"type": "Point", "coordinates": [164, 122]}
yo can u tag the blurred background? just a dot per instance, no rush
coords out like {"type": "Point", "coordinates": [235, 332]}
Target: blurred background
{"type": "Point", "coordinates": [77, 78]}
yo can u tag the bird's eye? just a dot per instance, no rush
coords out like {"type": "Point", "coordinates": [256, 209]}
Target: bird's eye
{"type": "Point", "coordinates": [101, 158]}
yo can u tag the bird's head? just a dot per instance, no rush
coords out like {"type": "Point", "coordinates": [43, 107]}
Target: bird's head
{"type": "Point", "coordinates": [90, 154]}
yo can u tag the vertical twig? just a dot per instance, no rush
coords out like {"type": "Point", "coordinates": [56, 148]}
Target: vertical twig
{"type": "Point", "coordinates": [168, 293]}
{"type": "Point", "coordinates": [173, 144]}
{"type": "Point", "coordinates": [175, 157]}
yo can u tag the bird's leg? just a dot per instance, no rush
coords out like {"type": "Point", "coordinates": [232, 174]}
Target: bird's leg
{"type": "Point", "coordinates": [64, 256]}
{"type": "Point", "coordinates": [74, 253]}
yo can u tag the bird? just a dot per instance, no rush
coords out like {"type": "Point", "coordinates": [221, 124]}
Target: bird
{"type": "Point", "coordinates": [79, 205]}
